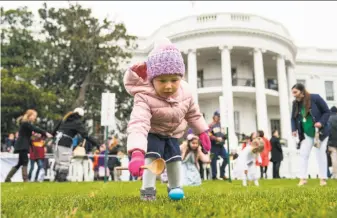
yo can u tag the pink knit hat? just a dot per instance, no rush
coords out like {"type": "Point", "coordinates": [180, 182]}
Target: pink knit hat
{"type": "Point", "coordinates": [164, 59]}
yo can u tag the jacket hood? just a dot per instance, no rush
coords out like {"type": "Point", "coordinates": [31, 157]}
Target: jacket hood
{"type": "Point", "coordinates": [135, 84]}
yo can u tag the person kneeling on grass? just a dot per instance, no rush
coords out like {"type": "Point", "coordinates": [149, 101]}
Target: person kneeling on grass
{"type": "Point", "coordinates": [191, 153]}
{"type": "Point", "coordinates": [163, 103]}
{"type": "Point", "coordinates": [245, 163]}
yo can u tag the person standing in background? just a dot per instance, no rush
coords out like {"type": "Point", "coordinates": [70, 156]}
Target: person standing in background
{"type": "Point", "coordinates": [217, 148]}
{"type": "Point", "coordinates": [276, 154]}
{"type": "Point", "coordinates": [36, 155]}
{"type": "Point", "coordinates": [70, 126]}
{"type": "Point", "coordinates": [10, 143]}
{"type": "Point", "coordinates": [310, 112]}
{"type": "Point", "coordinates": [264, 154]}
{"type": "Point", "coordinates": [23, 143]}
{"type": "Point", "coordinates": [332, 143]}
{"type": "Point", "coordinates": [191, 153]}
{"type": "Point", "coordinates": [113, 161]}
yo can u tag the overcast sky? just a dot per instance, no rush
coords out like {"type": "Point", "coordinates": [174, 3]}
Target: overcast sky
{"type": "Point", "coordinates": [311, 24]}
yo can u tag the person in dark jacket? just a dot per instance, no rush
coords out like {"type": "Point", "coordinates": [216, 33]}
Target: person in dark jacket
{"type": "Point", "coordinates": [65, 131]}
{"type": "Point", "coordinates": [276, 154]}
{"type": "Point", "coordinates": [113, 161]}
{"type": "Point", "coordinates": [310, 113]}
{"type": "Point", "coordinates": [23, 143]}
{"type": "Point", "coordinates": [332, 144]}
{"type": "Point", "coordinates": [218, 149]}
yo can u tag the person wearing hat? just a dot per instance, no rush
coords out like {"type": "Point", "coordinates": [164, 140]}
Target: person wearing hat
{"type": "Point", "coordinates": [163, 106]}
{"type": "Point", "coordinates": [65, 131]}
{"type": "Point", "coordinates": [218, 149]}
{"type": "Point", "coordinates": [332, 143]}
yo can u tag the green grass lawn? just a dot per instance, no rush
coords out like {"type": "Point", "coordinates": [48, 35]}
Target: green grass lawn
{"type": "Point", "coordinates": [274, 198]}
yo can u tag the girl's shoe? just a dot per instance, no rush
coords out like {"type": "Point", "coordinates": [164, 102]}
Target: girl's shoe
{"type": "Point", "coordinates": [302, 182]}
{"type": "Point", "coordinates": [323, 182]}
{"type": "Point", "coordinates": [148, 194]}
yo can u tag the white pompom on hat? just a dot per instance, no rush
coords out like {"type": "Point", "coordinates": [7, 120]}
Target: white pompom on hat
{"type": "Point", "coordinates": [79, 111]}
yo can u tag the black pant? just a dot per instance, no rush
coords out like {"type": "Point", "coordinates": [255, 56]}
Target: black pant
{"type": "Point", "coordinates": [276, 170]}
{"type": "Point", "coordinates": [263, 171]}
{"type": "Point", "coordinates": [201, 171]}
{"type": "Point", "coordinates": [218, 151]}
{"type": "Point", "coordinates": [112, 163]}
{"type": "Point", "coordinates": [23, 159]}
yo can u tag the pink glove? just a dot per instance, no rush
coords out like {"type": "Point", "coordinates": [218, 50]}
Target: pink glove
{"type": "Point", "coordinates": [205, 141]}
{"type": "Point", "coordinates": [137, 160]}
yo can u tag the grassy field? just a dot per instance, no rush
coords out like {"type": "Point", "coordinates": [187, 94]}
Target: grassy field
{"type": "Point", "coordinates": [274, 198]}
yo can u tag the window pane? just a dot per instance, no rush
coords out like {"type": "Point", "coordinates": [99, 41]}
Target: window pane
{"type": "Point", "coordinates": [276, 125]}
{"type": "Point", "coordinates": [237, 121]}
{"type": "Point", "coordinates": [329, 91]}
{"type": "Point", "coordinates": [302, 81]}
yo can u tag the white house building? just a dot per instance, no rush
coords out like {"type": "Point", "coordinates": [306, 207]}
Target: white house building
{"type": "Point", "coordinates": [251, 61]}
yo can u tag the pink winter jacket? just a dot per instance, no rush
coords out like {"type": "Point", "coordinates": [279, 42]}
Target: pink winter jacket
{"type": "Point", "coordinates": [154, 114]}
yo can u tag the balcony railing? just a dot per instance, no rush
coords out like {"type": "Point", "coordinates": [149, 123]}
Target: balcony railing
{"type": "Point", "coordinates": [247, 82]}
{"type": "Point", "coordinates": [204, 83]}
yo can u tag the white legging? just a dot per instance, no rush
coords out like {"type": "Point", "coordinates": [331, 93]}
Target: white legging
{"type": "Point", "coordinates": [251, 174]}
{"type": "Point", "coordinates": [174, 171]}
{"type": "Point", "coordinates": [305, 149]}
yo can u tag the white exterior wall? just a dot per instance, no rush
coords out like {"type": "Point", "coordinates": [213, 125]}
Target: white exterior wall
{"type": "Point", "coordinates": [244, 34]}
{"type": "Point", "coordinates": [315, 76]}
{"type": "Point", "coordinates": [246, 114]}
{"type": "Point", "coordinates": [211, 68]}
{"type": "Point", "coordinates": [244, 107]}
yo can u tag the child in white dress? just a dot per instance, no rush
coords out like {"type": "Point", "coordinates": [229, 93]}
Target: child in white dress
{"type": "Point", "coordinates": [245, 164]}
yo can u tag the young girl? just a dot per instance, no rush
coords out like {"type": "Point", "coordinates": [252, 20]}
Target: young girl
{"type": "Point", "coordinates": [23, 142]}
{"type": "Point", "coordinates": [162, 104]}
{"type": "Point", "coordinates": [101, 163]}
{"type": "Point", "coordinates": [264, 155]}
{"type": "Point", "coordinates": [191, 153]}
{"type": "Point", "coordinates": [245, 163]}
{"type": "Point", "coordinates": [36, 154]}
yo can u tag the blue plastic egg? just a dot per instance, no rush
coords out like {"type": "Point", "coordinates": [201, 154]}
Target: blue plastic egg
{"type": "Point", "coordinates": [176, 194]}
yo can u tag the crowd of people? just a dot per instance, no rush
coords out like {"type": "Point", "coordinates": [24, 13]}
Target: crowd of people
{"type": "Point", "coordinates": [32, 144]}
{"type": "Point", "coordinates": [163, 109]}
{"type": "Point", "coordinates": [193, 155]}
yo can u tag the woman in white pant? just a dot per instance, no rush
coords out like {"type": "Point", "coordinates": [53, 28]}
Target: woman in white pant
{"type": "Point", "coordinates": [310, 111]}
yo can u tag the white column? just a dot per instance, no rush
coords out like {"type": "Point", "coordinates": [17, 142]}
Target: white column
{"type": "Point", "coordinates": [192, 73]}
{"type": "Point", "coordinates": [261, 101]}
{"type": "Point", "coordinates": [283, 98]}
{"type": "Point", "coordinates": [227, 93]}
{"type": "Point", "coordinates": [291, 83]}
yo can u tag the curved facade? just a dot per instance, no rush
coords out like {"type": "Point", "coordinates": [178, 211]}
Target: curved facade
{"type": "Point", "coordinates": [249, 60]}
